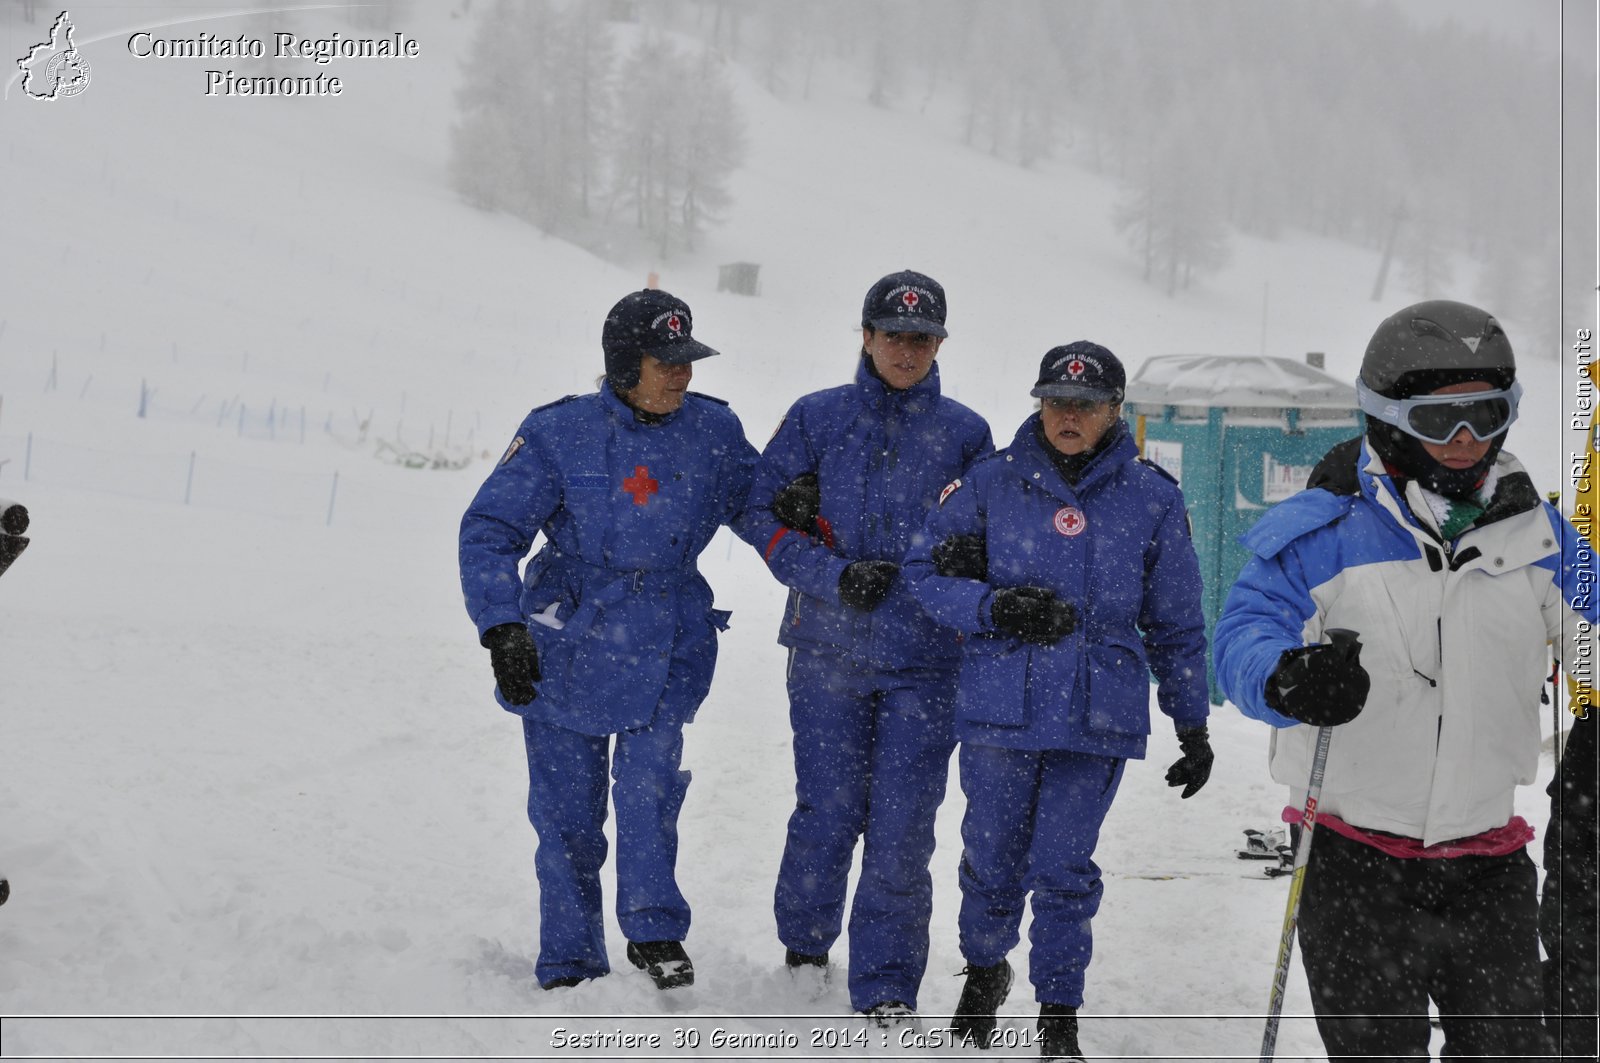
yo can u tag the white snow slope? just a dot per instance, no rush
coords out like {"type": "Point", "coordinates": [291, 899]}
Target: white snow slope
{"type": "Point", "coordinates": [255, 797]}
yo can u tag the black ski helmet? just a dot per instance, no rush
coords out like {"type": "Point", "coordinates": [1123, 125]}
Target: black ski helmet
{"type": "Point", "coordinates": [1418, 350]}
{"type": "Point", "coordinates": [1431, 345]}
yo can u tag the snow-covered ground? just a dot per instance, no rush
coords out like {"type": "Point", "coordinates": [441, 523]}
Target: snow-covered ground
{"type": "Point", "coordinates": [255, 796]}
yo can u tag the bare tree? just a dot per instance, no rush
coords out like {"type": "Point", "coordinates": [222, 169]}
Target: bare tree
{"type": "Point", "coordinates": [535, 107]}
{"type": "Point", "coordinates": [680, 139]}
{"type": "Point", "coordinates": [1010, 82]}
{"type": "Point", "coordinates": [498, 138]}
{"type": "Point", "coordinates": [711, 149]}
{"type": "Point", "coordinates": [1425, 247]}
{"type": "Point", "coordinates": [1171, 212]}
{"type": "Point", "coordinates": [583, 61]}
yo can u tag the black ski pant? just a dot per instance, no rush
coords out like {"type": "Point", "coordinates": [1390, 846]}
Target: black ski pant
{"type": "Point", "coordinates": [1567, 921]}
{"type": "Point", "coordinates": [1381, 935]}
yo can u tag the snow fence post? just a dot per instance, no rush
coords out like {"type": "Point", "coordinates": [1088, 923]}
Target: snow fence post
{"type": "Point", "coordinates": [333, 494]}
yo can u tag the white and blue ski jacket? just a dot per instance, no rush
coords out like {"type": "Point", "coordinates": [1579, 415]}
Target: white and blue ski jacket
{"type": "Point", "coordinates": [1457, 638]}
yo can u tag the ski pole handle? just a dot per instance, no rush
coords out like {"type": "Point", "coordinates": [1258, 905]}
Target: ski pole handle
{"type": "Point", "coordinates": [1346, 641]}
{"type": "Point", "coordinates": [13, 517]}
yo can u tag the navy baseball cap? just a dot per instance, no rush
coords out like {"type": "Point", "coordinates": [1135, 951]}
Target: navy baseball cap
{"type": "Point", "coordinates": [652, 322]}
{"type": "Point", "coordinates": [1080, 370]}
{"type": "Point", "coordinates": [907, 301]}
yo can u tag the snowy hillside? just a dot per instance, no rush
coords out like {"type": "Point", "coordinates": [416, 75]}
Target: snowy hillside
{"type": "Point", "coordinates": [250, 764]}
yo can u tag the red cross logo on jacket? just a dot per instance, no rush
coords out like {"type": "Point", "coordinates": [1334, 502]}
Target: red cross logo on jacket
{"type": "Point", "coordinates": [640, 485]}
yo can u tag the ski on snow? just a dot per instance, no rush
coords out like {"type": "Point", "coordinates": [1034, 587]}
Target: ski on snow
{"type": "Point", "coordinates": [1260, 845]}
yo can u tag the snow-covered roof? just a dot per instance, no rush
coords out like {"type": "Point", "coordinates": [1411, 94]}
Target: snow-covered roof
{"type": "Point", "coordinates": [1237, 380]}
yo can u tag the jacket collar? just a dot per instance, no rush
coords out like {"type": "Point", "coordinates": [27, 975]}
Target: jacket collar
{"type": "Point", "coordinates": [1035, 465]}
{"type": "Point", "coordinates": [623, 414]}
{"type": "Point", "coordinates": [1514, 492]}
{"type": "Point", "coordinates": [877, 395]}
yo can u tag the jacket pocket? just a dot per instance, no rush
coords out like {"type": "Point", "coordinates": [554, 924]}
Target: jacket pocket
{"type": "Point", "coordinates": [618, 665]}
{"type": "Point", "coordinates": [994, 684]}
{"type": "Point", "coordinates": [814, 621]}
{"type": "Point", "coordinates": [1119, 689]}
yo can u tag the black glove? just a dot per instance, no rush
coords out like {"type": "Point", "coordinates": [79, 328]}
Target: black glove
{"type": "Point", "coordinates": [515, 661]}
{"type": "Point", "coordinates": [1033, 614]}
{"type": "Point", "coordinates": [799, 503]}
{"type": "Point", "coordinates": [962, 556]}
{"type": "Point", "coordinates": [1194, 767]}
{"type": "Point", "coordinates": [865, 584]}
{"type": "Point", "coordinates": [1323, 685]}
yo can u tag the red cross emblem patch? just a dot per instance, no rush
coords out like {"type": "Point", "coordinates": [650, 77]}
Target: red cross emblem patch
{"type": "Point", "coordinates": [640, 485]}
{"type": "Point", "coordinates": [1076, 367]}
{"type": "Point", "coordinates": [910, 299]}
{"type": "Point", "coordinates": [1070, 521]}
{"type": "Point", "coordinates": [675, 323]}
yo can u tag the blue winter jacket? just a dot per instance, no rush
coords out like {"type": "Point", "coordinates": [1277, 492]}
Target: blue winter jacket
{"type": "Point", "coordinates": [881, 457]}
{"type": "Point", "coordinates": [1117, 547]}
{"type": "Point", "coordinates": [625, 508]}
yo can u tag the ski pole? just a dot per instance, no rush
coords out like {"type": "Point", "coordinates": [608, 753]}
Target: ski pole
{"type": "Point", "coordinates": [1302, 855]}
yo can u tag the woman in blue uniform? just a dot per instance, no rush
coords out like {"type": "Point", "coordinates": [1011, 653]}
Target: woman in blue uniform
{"type": "Point", "coordinates": [606, 644]}
{"type": "Point", "coordinates": [1066, 561]}
{"type": "Point", "coordinates": [871, 676]}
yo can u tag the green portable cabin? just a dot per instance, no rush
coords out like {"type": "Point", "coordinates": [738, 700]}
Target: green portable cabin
{"type": "Point", "coordinates": [1239, 432]}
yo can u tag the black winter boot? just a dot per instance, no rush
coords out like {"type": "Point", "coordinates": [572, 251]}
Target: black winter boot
{"type": "Point", "coordinates": [1058, 1033]}
{"type": "Point", "coordinates": [891, 1014]}
{"type": "Point", "coordinates": [981, 997]}
{"type": "Point", "coordinates": [664, 961]}
{"type": "Point", "coordinates": [561, 983]}
{"type": "Point", "coordinates": [791, 958]}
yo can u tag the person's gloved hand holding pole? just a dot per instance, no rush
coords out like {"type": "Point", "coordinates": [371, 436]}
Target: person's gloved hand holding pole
{"type": "Point", "coordinates": [1322, 685]}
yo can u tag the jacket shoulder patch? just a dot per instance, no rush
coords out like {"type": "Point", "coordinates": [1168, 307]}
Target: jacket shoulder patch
{"type": "Point", "coordinates": [511, 451]}
{"type": "Point", "coordinates": [949, 489]}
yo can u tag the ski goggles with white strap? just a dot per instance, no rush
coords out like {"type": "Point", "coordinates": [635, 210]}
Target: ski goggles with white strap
{"type": "Point", "coordinates": [1437, 418]}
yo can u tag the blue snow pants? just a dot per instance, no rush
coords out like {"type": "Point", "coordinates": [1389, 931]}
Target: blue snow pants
{"type": "Point", "coordinates": [567, 806]}
{"type": "Point", "coordinates": [871, 754]}
{"type": "Point", "coordinates": [1032, 822]}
